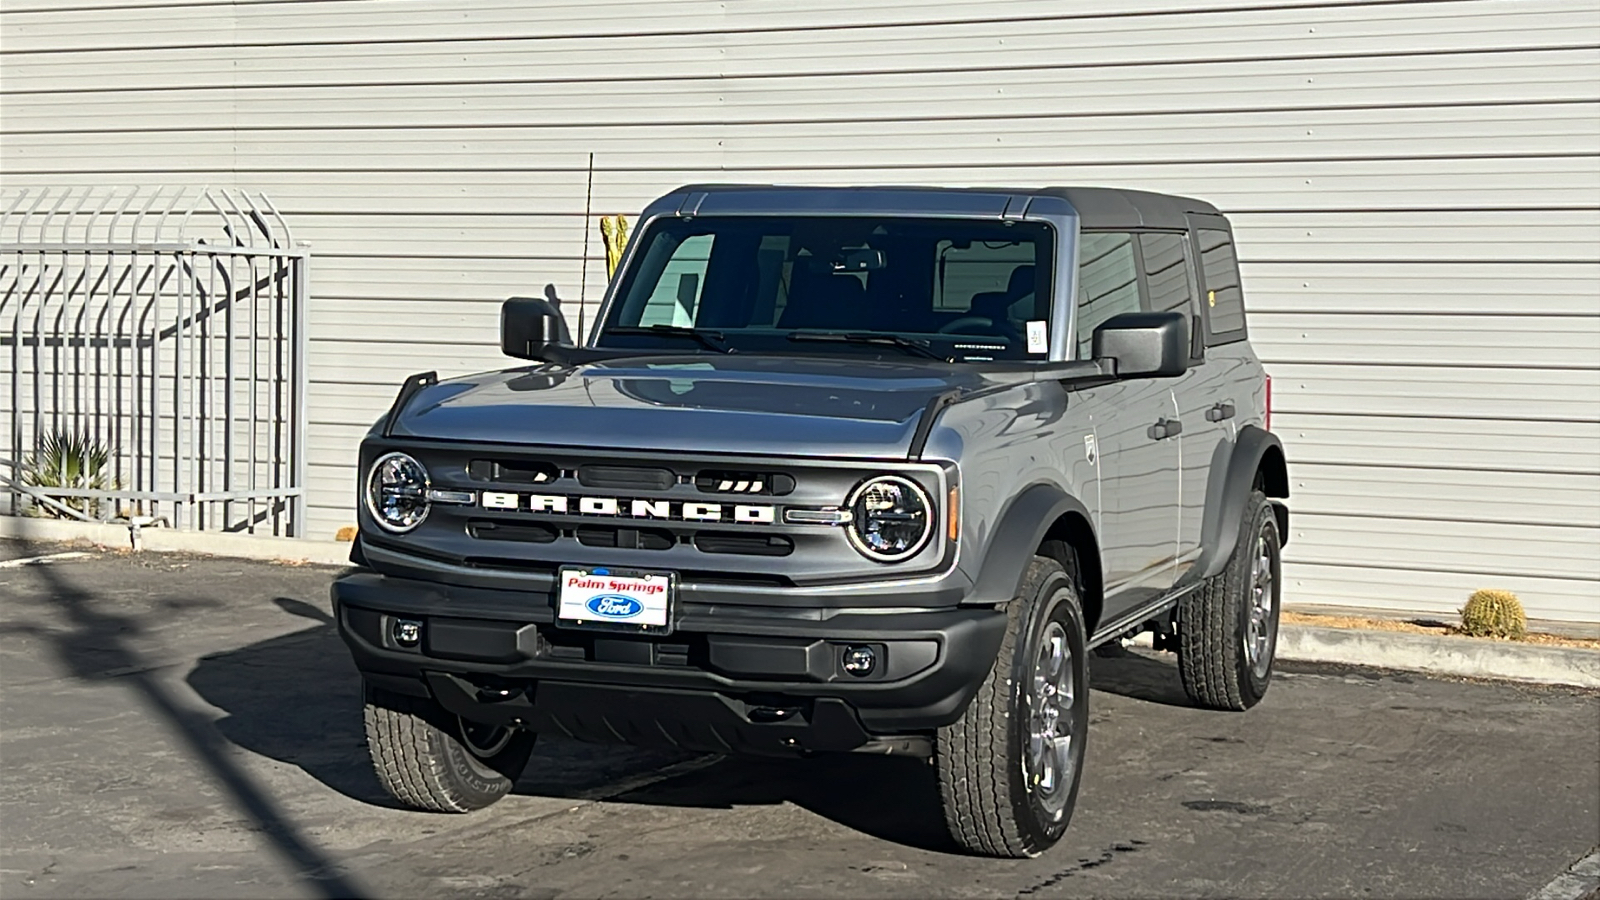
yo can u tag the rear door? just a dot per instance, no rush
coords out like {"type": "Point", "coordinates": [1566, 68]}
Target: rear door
{"type": "Point", "coordinates": [1172, 282]}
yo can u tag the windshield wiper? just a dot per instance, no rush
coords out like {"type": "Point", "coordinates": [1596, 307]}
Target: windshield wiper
{"type": "Point", "coordinates": [711, 340]}
{"type": "Point", "coordinates": [914, 347]}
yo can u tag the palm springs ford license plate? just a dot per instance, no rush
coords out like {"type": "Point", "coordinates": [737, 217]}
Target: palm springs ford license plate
{"type": "Point", "coordinates": [632, 601]}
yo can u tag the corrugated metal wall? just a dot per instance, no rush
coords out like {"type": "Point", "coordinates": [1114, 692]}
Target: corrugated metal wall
{"type": "Point", "coordinates": [1415, 185]}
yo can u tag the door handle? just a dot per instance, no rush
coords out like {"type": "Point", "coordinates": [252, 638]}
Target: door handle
{"type": "Point", "coordinates": [1165, 428]}
{"type": "Point", "coordinates": [1220, 412]}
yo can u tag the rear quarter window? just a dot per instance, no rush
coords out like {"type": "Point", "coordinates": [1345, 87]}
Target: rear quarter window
{"type": "Point", "coordinates": [1223, 300]}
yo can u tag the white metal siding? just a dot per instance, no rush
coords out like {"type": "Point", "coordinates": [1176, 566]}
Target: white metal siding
{"type": "Point", "coordinates": [1415, 188]}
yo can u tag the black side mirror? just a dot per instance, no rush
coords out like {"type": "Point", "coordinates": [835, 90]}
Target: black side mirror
{"type": "Point", "coordinates": [1145, 344]}
{"type": "Point", "coordinates": [529, 325]}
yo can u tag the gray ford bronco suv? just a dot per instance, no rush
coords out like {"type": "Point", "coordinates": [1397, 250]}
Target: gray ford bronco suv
{"type": "Point", "coordinates": [837, 469]}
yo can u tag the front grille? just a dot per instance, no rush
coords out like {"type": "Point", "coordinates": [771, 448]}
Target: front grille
{"type": "Point", "coordinates": [640, 482]}
{"type": "Point", "coordinates": [710, 519]}
{"type": "Point", "coordinates": [771, 484]}
{"type": "Point", "coordinates": [745, 544]}
{"type": "Point", "coordinates": [627, 478]}
{"type": "Point", "coordinates": [736, 543]}
{"type": "Point", "coordinates": [625, 538]}
{"type": "Point", "coordinates": [498, 530]}
{"type": "Point", "coordinates": [512, 471]}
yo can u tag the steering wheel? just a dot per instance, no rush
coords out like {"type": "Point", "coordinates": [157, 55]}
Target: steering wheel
{"type": "Point", "coordinates": [966, 322]}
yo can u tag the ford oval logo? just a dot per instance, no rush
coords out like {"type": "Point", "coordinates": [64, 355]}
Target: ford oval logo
{"type": "Point", "coordinates": [614, 606]}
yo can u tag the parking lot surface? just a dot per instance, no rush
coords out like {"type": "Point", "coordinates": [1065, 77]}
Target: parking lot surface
{"type": "Point", "coordinates": [191, 727]}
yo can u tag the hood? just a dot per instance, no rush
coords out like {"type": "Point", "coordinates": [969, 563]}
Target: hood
{"type": "Point", "coordinates": [812, 406]}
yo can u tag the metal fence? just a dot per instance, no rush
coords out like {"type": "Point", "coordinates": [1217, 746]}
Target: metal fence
{"type": "Point", "coordinates": [153, 346]}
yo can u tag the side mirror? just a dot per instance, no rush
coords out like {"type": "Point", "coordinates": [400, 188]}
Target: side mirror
{"type": "Point", "coordinates": [528, 325]}
{"type": "Point", "coordinates": [1145, 344]}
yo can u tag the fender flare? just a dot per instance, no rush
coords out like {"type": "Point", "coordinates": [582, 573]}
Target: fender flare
{"type": "Point", "coordinates": [1232, 477]}
{"type": "Point", "coordinates": [1021, 528]}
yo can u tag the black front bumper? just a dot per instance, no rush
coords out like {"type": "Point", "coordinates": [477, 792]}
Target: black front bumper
{"type": "Point", "coordinates": [744, 680]}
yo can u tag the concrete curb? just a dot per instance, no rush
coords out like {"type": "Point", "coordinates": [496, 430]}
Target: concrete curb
{"type": "Point", "coordinates": [1441, 655]}
{"type": "Point", "coordinates": [166, 540]}
{"type": "Point", "coordinates": [1580, 881]}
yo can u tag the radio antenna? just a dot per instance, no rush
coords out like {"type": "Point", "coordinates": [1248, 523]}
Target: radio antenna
{"type": "Point", "coordinates": [583, 277]}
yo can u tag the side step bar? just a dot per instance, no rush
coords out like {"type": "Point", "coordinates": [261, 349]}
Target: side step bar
{"type": "Point", "coordinates": [1116, 627]}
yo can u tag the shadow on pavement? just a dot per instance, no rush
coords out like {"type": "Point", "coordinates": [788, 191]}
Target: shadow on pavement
{"type": "Point", "coordinates": [297, 699]}
{"type": "Point", "coordinates": [1140, 677]}
{"type": "Point", "coordinates": [895, 799]}
{"type": "Point", "coordinates": [94, 641]}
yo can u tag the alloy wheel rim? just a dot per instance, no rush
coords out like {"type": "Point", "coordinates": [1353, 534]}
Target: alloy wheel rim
{"type": "Point", "coordinates": [483, 741]}
{"type": "Point", "coordinates": [1260, 633]}
{"type": "Point", "coordinates": [1052, 699]}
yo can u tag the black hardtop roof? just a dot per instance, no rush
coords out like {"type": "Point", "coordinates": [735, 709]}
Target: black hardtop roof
{"type": "Point", "coordinates": [1097, 207]}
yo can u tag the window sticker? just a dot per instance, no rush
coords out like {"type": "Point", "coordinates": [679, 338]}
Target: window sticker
{"type": "Point", "coordinates": [1211, 298]}
{"type": "Point", "coordinates": [1038, 336]}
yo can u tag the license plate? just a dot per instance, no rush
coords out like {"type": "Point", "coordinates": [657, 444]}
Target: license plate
{"type": "Point", "coordinates": [621, 599]}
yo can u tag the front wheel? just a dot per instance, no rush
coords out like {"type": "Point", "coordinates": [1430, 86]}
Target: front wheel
{"type": "Point", "coordinates": [1009, 768]}
{"type": "Point", "coordinates": [430, 759]}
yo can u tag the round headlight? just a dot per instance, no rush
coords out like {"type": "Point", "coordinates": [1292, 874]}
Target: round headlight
{"type": "Point", "coordinates": [397, 492]}
{"type": "Point", "coordinates": [891, 518]}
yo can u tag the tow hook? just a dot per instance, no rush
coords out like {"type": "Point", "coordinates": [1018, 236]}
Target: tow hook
{"type": "Point", "coordinates": [498, 693]}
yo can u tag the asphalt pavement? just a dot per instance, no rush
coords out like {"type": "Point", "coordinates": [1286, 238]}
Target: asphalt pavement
{"type": "Point", "coordinates": [177, 726]}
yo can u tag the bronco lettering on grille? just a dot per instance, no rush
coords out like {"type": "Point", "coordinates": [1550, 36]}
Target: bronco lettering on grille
{"type": "Point", "coordinates": [742, 513]}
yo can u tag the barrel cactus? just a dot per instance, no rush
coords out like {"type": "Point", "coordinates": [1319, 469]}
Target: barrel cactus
{"type": "Point", "coordinates": [1494, 614]}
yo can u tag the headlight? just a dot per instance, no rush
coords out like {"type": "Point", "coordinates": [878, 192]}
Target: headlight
{"type": "Point", "coordinates": [397, 492]}
{"type": "Point", "coordinates": [891, 518]}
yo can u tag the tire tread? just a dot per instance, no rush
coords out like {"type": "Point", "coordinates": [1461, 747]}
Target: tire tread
{"type": "Point", "coordinates": [409, 754]}
{"type": "Point", "coordinates": [1209, 642]}
{"type": "Point", "coordinates": [970, 754]}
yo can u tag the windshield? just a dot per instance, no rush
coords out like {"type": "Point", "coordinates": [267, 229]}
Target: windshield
{"type": "Point", "coordinates": [956, 289]}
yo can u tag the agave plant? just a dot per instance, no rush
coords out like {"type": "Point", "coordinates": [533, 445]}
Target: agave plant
{"type": "Point", "coordinates": [74, 461]}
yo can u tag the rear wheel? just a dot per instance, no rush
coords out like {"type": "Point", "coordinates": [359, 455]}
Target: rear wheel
{"type": "Point", "coordinates": [430, 759]}
{"type": "Point", "coordinates": [1228, 628]}
{"type": "Point", "coordinates": [1009, 768]}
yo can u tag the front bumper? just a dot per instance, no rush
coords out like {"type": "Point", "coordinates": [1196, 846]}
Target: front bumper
{"type": "Point", "coordinates": [729, 679]}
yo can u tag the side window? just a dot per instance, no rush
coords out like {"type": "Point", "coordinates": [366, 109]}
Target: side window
{"type": "Point", "coordinates": [1224, 301]}
{"type": "Point", "coordinates": [1169, 276]}
{"type": "Point", "coordinates": [677, 293]}
{"type": "Point", "coordinates": [1166, 269]}
{"type": "Point", "coordinates": [1108, 283]}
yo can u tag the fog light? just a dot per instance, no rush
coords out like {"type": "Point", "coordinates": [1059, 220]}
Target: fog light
{"type": "Point", "coordinates": [407, 632]}
{"type": "Point", "coordinates": [860, 661]}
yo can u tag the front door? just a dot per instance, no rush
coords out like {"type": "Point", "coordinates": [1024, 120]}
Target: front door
{"type": "Point", "coordinates": [1139, 491]}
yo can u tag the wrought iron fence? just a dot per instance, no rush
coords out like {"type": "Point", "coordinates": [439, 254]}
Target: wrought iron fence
{"type": "Point", "coordinates": [153, 346]}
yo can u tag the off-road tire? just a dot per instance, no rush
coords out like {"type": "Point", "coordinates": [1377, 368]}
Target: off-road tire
{"type": "Point", "coordinates": [989, 805]}
{"type": "Point", "coordinates": [419, 756]}
{"type": "Point", "coordinates": [1213, 621]}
